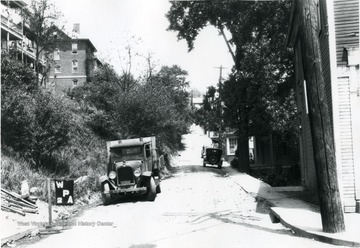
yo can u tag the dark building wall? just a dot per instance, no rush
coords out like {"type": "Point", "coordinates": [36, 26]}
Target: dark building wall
{"type": "Point", "coordinates": [346, 27]}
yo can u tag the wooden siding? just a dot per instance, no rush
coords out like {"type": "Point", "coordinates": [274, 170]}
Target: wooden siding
{"type": "Point", "coordinates": [346, 27]}
{"type": "Point", "coordinates": [346, 142]}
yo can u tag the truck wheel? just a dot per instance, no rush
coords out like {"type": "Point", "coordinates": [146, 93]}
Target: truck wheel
{"type": "Point", "coordinates": [151, 194]}
{"type": "Point", "coordinates": [213, 159]}
{"type": "Point", "coordinates": [158, 189]}
{"type": "Point", "coordinates": [106, 197]}
{"type": "Point", "coordinates": [220, 164]}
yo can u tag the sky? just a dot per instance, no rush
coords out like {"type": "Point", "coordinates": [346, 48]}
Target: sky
{"type": "Point", "coordinates": [112, 25]}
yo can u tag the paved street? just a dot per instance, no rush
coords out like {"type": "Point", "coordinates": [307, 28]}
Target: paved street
{"type": "Point", "coordinates": [198, 207]}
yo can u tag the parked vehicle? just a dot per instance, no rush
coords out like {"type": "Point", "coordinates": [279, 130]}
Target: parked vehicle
{"type": "Point", "coordinates": [212, 156]}
{"type": "Point", "coordinates": [133, 169]}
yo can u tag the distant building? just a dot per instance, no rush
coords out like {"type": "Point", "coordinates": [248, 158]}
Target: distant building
{"type": "Point", "coordinates": [74, 62]}
{"type": "Point", "coordinates": [263, 152]}
{"type": "Point", "coordinates": [16, 36]}
{"type": "Point", "coordinates": [197, 102]}
{"type": "Point", "coordinates": [338, 30]}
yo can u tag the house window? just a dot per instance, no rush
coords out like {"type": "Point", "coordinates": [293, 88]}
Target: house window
{"type": "Point", "coordinates": [57, 54]}
{"type": "Point", "coordinates": [232, 146]}
{"type": "Point", "coordinates": [57, 69]}
{"type": "Point", "coordinates": [75, 82]}
{"type": "Point", "coordinates": [74, 66]}
{"type": "Point", "coordinates": [74, 48]}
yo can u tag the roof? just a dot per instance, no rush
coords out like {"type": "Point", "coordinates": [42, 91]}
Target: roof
{"type": "Point", "coordinates": [127, 143]}
{"type": "Point", "coordinates": [15, 3]}
{"type": "Point", "coordinates": [88, 41]}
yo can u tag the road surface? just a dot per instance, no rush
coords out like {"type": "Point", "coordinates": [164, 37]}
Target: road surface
{"type": "Point", "coordinates": [198, 207]}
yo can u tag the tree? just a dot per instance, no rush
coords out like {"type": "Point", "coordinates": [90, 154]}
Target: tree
{"type": "Point", "coordinates": [98, 98]}
{"type": "Point", "coordinates": [18, 85]}
{"type": "Point", "coordinates": [261, 62]}
{"type": "Point", "coordinates": [33, 122]}
{"type": "Point", "coordinates": [41, 18]}
{"type": "Point", "coordinates": [207, 116]}
{"type": "Point", "coordinates": [157, 106]}
{"type": "Point", "coordinates": [185, 16]}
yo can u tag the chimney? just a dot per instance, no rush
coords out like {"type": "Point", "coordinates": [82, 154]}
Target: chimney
{"type": "Point", "coordinates": [76, 30]}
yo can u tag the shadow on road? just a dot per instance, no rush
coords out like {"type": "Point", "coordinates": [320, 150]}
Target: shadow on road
{"type": "Point", "coordinates": [197, 169]}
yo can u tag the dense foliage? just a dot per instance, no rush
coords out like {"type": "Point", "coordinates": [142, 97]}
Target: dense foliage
{"type": "Point", "coordinates": [33, 122]}
{"type": "Point", "coordinates": [158, 106]}
{"type": "Point", "coordinates": [65, 134]}
{"type": "Point", "coordinates": [258, 96]}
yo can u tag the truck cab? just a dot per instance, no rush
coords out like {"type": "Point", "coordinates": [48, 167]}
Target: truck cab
{"type": "Point", "coordinates": [132, 169]}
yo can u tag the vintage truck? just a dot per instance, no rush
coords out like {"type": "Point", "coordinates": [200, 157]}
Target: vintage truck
{"type": "Point", "coordinates": [133, 169]}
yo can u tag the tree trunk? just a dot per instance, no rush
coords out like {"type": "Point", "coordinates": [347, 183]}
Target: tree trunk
{"type": "Point", "coordinates": [243, 154]}
{"type": "Point", "coordinates": [243, 140]}
{"type": "Point", "coordinates": [321, 130]}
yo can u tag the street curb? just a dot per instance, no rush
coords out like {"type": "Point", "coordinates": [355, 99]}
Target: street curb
{"type": "Point", "coordinates": [318, 237]}
{"type": "Point", "coordinates": [301, 232]}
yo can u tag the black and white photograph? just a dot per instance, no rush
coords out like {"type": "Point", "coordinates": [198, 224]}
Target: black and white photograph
{"type": "Point", "coordinates": [180, 123]}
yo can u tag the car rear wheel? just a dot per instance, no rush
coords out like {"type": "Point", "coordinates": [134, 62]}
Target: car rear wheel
{"type": "Point", "coordinates": [151, 194]}
{"type": "Point", "coordinates": [106, 197]}
{"type": "Point", "coordinates": [213, 159]}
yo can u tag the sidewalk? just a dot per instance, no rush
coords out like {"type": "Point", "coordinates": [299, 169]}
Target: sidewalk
{"type": "Point", "coordinates": [301, 217]}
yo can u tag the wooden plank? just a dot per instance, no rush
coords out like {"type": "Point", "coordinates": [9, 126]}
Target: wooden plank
{"type": "Point", "coordinates": [18, 203]}
{"type": "Point", "coordinates": [9, 209]}
{"type": "Point", "coordinates": [18, 198]}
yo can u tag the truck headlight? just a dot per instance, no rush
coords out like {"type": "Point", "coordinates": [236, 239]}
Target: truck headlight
{"type": "Point", "coordinates": [112, 175]}
{"type": "Point", "coordinates": [137, 173]}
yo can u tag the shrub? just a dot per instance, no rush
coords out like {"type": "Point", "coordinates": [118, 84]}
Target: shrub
{"type": "Point", "coordinates": [15, 169]}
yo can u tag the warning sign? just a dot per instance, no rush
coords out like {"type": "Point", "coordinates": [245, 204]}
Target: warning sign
{"type": "Point", "coordinates": [64, 192]}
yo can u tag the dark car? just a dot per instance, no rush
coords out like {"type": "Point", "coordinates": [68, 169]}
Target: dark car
{"type": "Point", "coordinates": [212, 156]}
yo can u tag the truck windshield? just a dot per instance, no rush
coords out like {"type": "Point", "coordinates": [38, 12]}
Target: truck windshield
{"type": "Point", "coordinates": [120, 152]}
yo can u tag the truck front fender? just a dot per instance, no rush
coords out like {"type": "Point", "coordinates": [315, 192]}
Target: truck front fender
{"type": "Point", "coordinates": [147, 174]}
{"type": "Point", "coordinates": [103, 179]}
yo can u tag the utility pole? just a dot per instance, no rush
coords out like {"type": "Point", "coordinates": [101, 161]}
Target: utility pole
{"type": "Point", "coordinates": [220, 104]}
{"type": "Point", "coordinates": [220, 76]}
{"type": "Point", "coordinates": [332, 215]}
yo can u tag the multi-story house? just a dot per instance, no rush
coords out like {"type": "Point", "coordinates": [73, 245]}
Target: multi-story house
{"type": "Point", "coordinates": [338, 33]}
{"type": "Point", "coordinates": [73, 63]}
{"type": "Point", "coordinates": [16, 34]}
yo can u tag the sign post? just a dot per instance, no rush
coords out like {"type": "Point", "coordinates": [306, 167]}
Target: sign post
{"type": "Point", "coordinates": [64, 195]}
{"type": "Point", "coordinates": [49, 202]}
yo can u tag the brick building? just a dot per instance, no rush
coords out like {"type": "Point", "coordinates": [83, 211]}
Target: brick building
{"type": "Point", "coordinates": [74, 62]}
